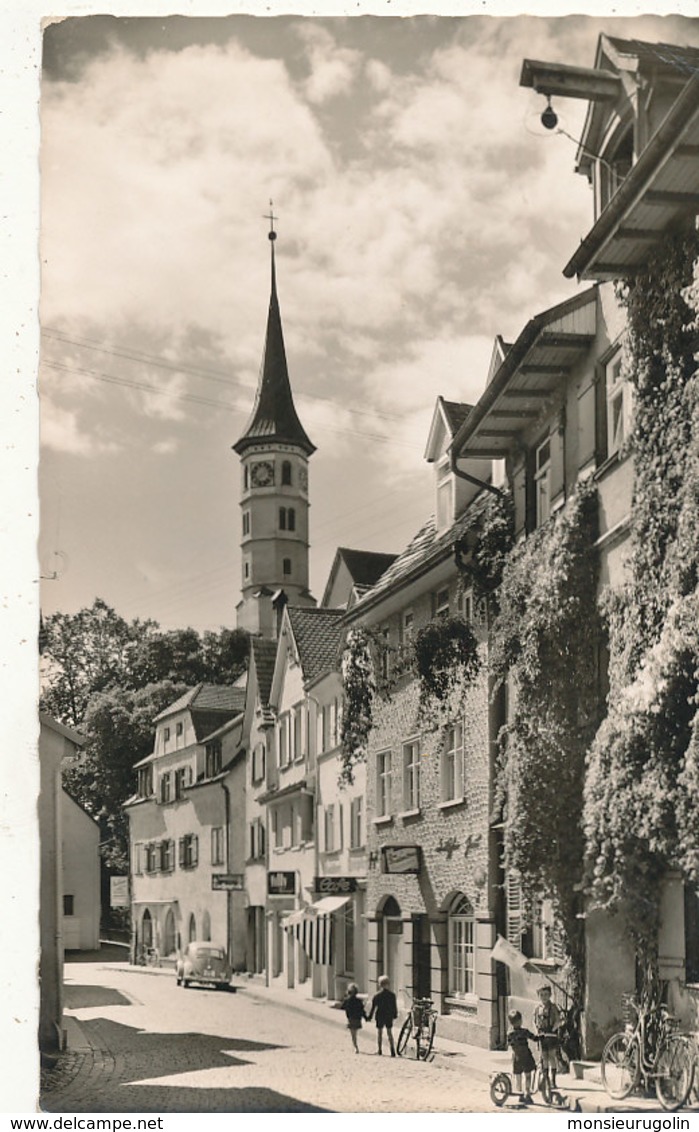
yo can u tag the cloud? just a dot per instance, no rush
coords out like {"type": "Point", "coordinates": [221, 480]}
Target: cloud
{"type": "Point", "coordinates": [334, 69]}
{"type": "Point", "coordinates": [61, 431]}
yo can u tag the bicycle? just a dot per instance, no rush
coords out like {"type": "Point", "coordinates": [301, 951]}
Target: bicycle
{"type": "Point", "coordinates": [420, 1025]}
{"type": "Point", "coordinates": [652, 1052]}
{"type": "Point", "coordinates": [501, 1085]}
{"type": "Point", "coordinates": [148, 957]}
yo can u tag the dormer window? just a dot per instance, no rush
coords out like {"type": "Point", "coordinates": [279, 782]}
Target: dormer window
{"type": "Point", "coordinates": [615, 165]}
{"type": "Point", "coordinates": [445, 495]}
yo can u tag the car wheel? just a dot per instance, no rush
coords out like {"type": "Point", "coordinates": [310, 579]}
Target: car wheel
{"type": "Point", "coordinates": [185, 983]}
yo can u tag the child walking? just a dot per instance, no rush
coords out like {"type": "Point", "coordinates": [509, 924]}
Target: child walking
{"type": "Point", "coordinates": [385, 1007]}
{"type": "Point", "coordinates": [522, 1061]}
{"type": "Point", "coordinates": [354, 1009]}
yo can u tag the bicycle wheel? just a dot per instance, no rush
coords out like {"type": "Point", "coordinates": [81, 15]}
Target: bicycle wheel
{"type": "Point", "coordinates": [545, 1086]}
{"type": "Point", "coordinates": [620, 1065]}
{"type": "Point", "coordinates": [403, 1037]}
{"type": "Point", "coordinates": [426, 1039]}
{"type": "Point", "coordinates": [499, 1089]}
{"type": "Point", "coordinates": [675, 1072]}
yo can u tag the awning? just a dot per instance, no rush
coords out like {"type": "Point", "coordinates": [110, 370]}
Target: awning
{"type": "Point", "coordinates": [313, 927]}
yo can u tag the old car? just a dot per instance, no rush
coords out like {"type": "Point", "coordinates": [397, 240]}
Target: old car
{"type": "Point", "coordinates": [205, 962]}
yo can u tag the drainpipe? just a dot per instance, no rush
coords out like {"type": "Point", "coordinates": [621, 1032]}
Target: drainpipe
{"type": "Point", "coordinates": [473, 479]}
{"type": "Point", "coordinates": [227, 796]}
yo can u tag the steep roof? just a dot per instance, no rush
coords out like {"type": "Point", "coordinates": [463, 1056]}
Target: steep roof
{"type": "Point", "coordinates": [265, 653]}
{"type": "Point", "coordinates": [426, 548]}
{"type": "Point", "coordinates": [365, 566]}
{"type": "Point", "coordinates": [672, 56]}
{"type": "Point", "coordinates": [209, 698]}
{"type": "Point", "coordinates": [318, 634]}
{"type": "Point", "coordinates": [273, 415]}
{"type": "Point", "coordinates": [456, 413]}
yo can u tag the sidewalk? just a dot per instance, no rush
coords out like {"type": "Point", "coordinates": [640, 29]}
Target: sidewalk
{"type": "Point", "coordinates": [585, 1094]}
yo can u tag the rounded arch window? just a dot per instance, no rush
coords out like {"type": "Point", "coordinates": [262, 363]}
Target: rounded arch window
{"type": "Point", "coordinates": [192, 933]}
{"type": "Point", "coordinates": [286, 472]}
{"type": "Point", "coordinates": [147, 929]}
{"type": "Point", "coordinates": [206, 926]}
{"type": "Point", "coordinates": [462, 947]}
{"type": "Point", "coordinates": [169, 934]}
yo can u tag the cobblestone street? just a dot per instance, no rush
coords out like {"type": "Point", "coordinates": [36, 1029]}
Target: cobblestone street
{"type": "Point", "coordinates": [141, 1044]}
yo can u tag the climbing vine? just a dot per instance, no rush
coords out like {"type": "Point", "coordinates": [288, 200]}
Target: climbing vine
{"type": "Point", "coordinates": [544, 642]}
{"type": "Point", "coordinates": [446, 661]}
{"type": "Point", "coordinates": [481, 554]}
{"type": "Point", "coordinates": [359, 686]}
{"type": "Point", "coordinates": [642, 795]}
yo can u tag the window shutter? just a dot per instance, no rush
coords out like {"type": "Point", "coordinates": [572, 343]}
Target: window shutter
{"type": "Point", "coordinates": [600, 414]}
{"type": "Point", "coordinates": [514, 910]}
{"type": "Point", "coordinates": [182, 856]}
{"type": "Point", "coordinates": [587, 434]}
{"type": "Point", "coordinates": [557, 464]}
{"type": "Point", "coordinates": [519, 496]}
{"type": "Point", "coordinates": [530, 492]}
{"type": "Point", "coordinates": [195, 849]}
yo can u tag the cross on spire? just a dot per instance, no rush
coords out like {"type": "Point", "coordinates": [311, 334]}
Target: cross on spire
{"type": "Point", "coordinates": [271, 217]}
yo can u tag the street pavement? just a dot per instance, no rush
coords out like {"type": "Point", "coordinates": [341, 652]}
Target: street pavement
{"type": "Point", "coordinates": [139, 1043]}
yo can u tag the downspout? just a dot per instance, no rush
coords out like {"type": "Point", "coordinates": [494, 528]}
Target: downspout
{"type": "Point", "coordinates": [227, 795]}
{"type": "Point", "coordinates": [473, 479]}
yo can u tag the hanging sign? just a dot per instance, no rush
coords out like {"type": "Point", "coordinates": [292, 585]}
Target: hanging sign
{"type": "Point", "coordinates": [401, 858]}
{"type": "Point", "coordinates": [119, 892]}
{"type": "Point", "coordinates": [281, 884]}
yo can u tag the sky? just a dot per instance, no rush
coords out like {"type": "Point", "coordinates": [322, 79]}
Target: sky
{"type": "Point", "coordinates": [422, 210]}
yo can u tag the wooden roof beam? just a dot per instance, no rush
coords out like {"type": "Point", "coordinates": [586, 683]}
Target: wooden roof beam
{"type": "Point", "coordinates": [664, 196]}
{"type": "Point", "coordinates": [571, 82]}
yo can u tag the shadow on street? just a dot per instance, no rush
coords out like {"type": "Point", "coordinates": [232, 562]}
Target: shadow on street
{"type": "Point", "coordinates": [124, 1057]}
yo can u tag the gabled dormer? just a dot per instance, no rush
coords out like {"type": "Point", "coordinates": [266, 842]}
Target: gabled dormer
{"type": "Point", "coordinates": [453, 493]}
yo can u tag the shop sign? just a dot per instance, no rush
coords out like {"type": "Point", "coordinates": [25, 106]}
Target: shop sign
{"type": "Point", "coordinates": [119, 892]}
{"type": "Point", "coordinates": [335, 886]}
{"type": "Point", "coordinates": [227, 882]}
{"type": "Point", "coordinates": [281, 884]}
{"type": "Point", "coordinates": [401, 858]}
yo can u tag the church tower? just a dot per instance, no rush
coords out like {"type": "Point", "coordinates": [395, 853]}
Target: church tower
{"type": "Point", "coordinates": [274, 451]}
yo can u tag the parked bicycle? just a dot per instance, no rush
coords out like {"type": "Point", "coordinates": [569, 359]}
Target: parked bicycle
{"type": "Point", "coordinates": [148, 957]}
{"type": "Point", "coordinates": [419, 1026]}
{"type": "Point", "coordinates": [651, 1052]}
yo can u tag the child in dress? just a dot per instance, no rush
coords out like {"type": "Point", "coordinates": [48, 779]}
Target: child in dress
{"type": "Point", "coordinates": [522, 1060]}
{"type": "Point", "coordinates": [354, 1009]}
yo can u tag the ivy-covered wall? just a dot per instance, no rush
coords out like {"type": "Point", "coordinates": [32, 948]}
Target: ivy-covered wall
{"type": "Point", "coordinates": [641, 815]}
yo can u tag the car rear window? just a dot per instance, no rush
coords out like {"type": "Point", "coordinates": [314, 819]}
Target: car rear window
{"type": "Point", "coordinates": [210, 952]}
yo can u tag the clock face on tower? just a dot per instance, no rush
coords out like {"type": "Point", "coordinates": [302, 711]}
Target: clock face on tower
{"type": "Point", "coordinates": [262, 473]}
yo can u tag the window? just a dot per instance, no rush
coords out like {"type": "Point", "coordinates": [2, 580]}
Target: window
{"type": "Point", "coordinates": [137, 858]}
{"type": "Point", "coordinates": [451, 763]}
{"type": "Point", "coordinates": [299, 732]}
{"type": "Point", "coordinates": [282, 518]}
{"type": "Point", "coordinates": [165, 787]}
{"type": "Point", "coordinates": [246, 522]}
{"type": "Point", "coordinates": [357, 823]}
{"type": "Point", "coordinates": [183, 779]}
{"type": "Point", "coordinates": [408, 625]}
{"type": "Point", "coordinates": [217, 846]}
{"type": "Point", "coordinates": [246, 478]}
{"type": "Point", "coordinates": [383, 784]}
{"type": "Point", "coordinates": [145, 782]}
{"type": "Point", "coordinates": [411, 775]}
{"type": "Point", "coordinates": [441, 604]}
{"type": "Point", "coordinates": [166, 735]}
{"type": "Point", "coordinates": [179, 729]}
{"type": "Point", "coordinates": [68, 905]}
{"type": "Point", "coordinates": [277, 829]}
{"type": "Point", "coordinates": [286, 567]}
{"type": "Point", "coordinates": [152, 857]}
{"type": "Point", "coordinates": [167, 856]}
{"type": "Point", "coordinates": [283, 740]}
{"type": "Point", "coordinates": [618, 405]}
{"type": "Point", "coordinates": [214, 758]}
{"type": "Point", "coordinates": [257, 839]}
{"type": "Point", "coordinates": [461, 948]}
{"type": "Point", "coordinates": [246, 570]}
{"type": "Point", "coordinates": [258, 762]}
{"type": "Point", "coordinates": [465, 605]}
{"type": "Point", "coordinates": [691, 934]}
{"type": "Point", "coordinates": [291, 519]}
{"type": "Point", "coordinates": [329, 825]}
{"type": "Point", "coordinates": [189, 851]}
{"type": "Point", "coordinates": [542, 481]}
{"type": "Point", "coordinates": [286, 473]}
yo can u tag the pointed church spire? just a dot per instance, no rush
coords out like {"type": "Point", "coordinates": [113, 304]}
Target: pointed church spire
{"type": "Point", "coordinates": [273, 415]}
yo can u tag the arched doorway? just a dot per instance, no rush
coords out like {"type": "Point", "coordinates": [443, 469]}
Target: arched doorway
{"type": "Point", "coordinates": [169, 934]}
{"type": "Point", "coordinates": [147, 929]}
{"type": "Point", "coordinates": [206, 926]}
{"type": "Point", "coordinates": [391, 942]}
{"type": "Point", "coordinates": [192, 933]}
